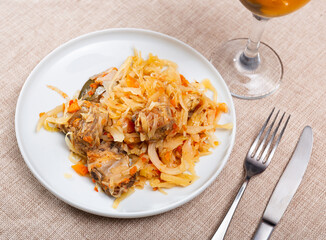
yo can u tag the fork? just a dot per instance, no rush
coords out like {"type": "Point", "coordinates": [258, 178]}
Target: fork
{"type": "Point", "coordinates": [256, 161]}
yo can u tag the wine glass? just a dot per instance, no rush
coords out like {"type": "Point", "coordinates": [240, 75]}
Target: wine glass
{"type": "Point", "coordinates": [250, 68]}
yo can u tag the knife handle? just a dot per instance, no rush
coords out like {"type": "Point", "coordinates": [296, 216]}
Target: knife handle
{"type": "Point", "coordinates": [264, 231]}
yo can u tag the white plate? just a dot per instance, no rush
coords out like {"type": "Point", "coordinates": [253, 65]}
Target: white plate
{"type": "Point", "coordinates": [67, 68]}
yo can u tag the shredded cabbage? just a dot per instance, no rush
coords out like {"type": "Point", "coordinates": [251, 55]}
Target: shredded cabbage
{"type": "Point", "coordinates": [160, 120]}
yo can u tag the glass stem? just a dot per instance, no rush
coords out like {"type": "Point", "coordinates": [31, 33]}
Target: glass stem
{"type": "Point", "coordinates": [250, 58]}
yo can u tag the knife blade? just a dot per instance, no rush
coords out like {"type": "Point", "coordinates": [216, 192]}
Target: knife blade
{"type": "Point", "coordinates": [287, 185]}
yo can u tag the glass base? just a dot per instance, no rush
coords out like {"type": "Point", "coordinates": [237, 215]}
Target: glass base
{"type": "Point", "coordinates": [257, 79]}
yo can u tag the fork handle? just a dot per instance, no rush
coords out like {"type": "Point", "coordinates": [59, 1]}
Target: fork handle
{"type": "Point", "coordinates": [221, 231]}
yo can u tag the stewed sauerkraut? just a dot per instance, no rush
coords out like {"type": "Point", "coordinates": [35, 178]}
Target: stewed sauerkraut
{"type": "Point", "coordinates": [143, 122]}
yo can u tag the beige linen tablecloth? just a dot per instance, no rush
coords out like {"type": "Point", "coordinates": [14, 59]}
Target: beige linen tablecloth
{"type": "Point", "coordinates": [29, 30]}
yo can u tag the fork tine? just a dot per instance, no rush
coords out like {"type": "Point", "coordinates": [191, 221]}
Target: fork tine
{"type": "Point", "coordinates": [271, 139]}
{"type": "Point", "coordinates": [254, 144]}
{"type": "Point", "coordinates": [262, 144]}
{"type": "Point", "coordinates": [278, 139]}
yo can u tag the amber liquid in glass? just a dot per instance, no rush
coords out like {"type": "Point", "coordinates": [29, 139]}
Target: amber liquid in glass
{"type": "Point", "coordinates": [273, 8]}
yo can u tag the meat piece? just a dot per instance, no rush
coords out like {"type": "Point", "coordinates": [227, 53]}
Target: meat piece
{"type": "Point", "coordinates": [109, 167]}
{"type": "Point", "coordinates": [86, 127]}
{"type": "Point", "coordinates": [153, 124]}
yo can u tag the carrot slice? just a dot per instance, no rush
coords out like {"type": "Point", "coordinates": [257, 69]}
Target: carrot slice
{"type": "Point", "coordinates": [88, 139]}
{"type": "Point", "coordinates": [133, 170]}
{"type": "Point", "coordinates": [223, 107]}
{"type": "Point", "coordinates": [131, 82]}
{"type": "Point", "coordinates": [73, 106]}
{"type": "Point", "coordinates": [80, 169]}
{"type": "Point", "coordinates": [184, 81]}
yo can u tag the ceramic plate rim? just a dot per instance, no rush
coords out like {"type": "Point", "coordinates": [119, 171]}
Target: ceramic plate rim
{"type": "Point", "coordinates": [124, 214]}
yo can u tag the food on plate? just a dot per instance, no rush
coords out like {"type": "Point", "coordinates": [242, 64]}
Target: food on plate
{"type": "Point", "coordinates": [143, 122]}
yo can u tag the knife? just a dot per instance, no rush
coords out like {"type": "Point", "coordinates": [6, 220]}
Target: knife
{"type": "Point", "coordinates": [287, 185]}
